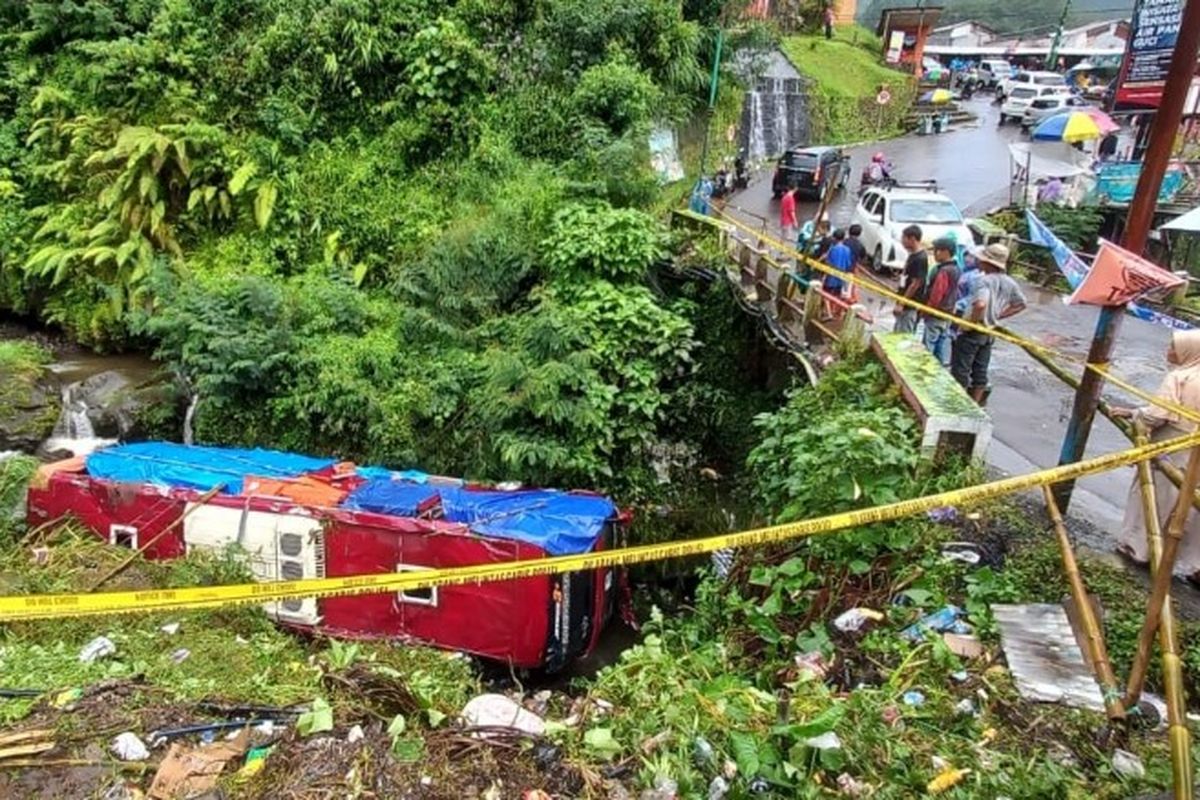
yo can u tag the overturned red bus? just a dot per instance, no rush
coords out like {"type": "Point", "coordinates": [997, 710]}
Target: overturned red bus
{"type": "Point", "coordinates": [298, 517]}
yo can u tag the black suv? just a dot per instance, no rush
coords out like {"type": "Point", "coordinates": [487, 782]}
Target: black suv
{"type": "Point", "coordinates": [809, 169]}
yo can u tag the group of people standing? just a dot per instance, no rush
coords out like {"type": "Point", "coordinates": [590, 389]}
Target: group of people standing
{"type": "Point", "coordinates": [973, 285]}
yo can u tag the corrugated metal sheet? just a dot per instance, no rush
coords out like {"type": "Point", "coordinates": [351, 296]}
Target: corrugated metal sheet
{"type": "Point", "coordinates": [1044, 657]}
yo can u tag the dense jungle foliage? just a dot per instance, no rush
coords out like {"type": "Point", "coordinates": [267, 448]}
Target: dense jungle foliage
{"type": "Point", "coordinates": [408, 232]}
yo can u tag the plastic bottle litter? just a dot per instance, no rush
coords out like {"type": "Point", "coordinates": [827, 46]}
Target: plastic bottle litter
{"type": "Point", "coordinates": [940, 621]}
{"type": "Point", "coordinates": [97, 648]}
{"type": "Point", "coordinates": [718, 788]}
{"type": "Point", "coordinates": [854, 618]}
{"type": "Point", "coordinates": [913, 698]}
{"type": "Point", "coordinates": [1127, 765]}
{"type": "Point", "coordinates": [128, 747]}
{"type": "Point", "coordinates": [965, 708]}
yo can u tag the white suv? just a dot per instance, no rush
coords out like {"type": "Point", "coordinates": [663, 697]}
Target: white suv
{"type": "Point", "coordinates": [885, 211]}
{"type": "Point", "coordinates": [1031, 79]}
{"type": "Point", "coordinates": [1021, 97]}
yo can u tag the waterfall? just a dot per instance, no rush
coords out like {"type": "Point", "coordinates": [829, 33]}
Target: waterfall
{"type": "Point", "coordinates": [188, 417]}
{"type": "Point", "coordinates": [74, 432]}
{"type": "Point", "coordinates": [775, 111]}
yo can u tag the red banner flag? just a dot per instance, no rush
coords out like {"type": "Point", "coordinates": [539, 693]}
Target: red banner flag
{"type": "Point", "coordinates": [1118, 277]}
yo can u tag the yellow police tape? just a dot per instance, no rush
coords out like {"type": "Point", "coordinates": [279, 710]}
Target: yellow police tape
{"type": "Point", "coordinates": [1000, 333]}
{"type": "Point", "coordinates": [33, 607]}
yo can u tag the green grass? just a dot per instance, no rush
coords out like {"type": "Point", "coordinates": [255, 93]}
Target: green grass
{"type": "Point", "coordinates": [848, 66]}
{"type": "Point", "coordinates": [846, 75]}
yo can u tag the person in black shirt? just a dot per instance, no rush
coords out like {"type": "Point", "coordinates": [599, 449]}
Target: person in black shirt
{"type": "Point", "coordinates": [912, 283]}
{"type": "Point", "coordinates": [856, 247]}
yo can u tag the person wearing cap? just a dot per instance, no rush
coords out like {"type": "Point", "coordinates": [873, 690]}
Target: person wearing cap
{"type": "Point", "coordinates": [996, 297]}
{"type": "Point", "coordinates": [941, 293]}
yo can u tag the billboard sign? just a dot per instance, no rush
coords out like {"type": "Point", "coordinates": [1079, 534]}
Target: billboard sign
{"type": "Point", "coordinates": [1152, 35]}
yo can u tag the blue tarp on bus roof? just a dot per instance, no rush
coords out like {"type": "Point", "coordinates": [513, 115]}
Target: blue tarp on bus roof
{"type": "Point", "coordinates": [196, 467]}
{"type": "Point", "coordinates": [558, 522]}
{"type": "Point", "coordinates": [384, 495]}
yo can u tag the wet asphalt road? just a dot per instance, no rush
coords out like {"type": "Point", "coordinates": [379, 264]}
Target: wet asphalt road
{"type": "Point", "coordinates": [1029, 406]}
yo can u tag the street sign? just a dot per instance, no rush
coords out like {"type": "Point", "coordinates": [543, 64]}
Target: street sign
{"type": "Point", "coordinates": [884, 97]}
{"type": "Point", "coordinates": [1148, 54]}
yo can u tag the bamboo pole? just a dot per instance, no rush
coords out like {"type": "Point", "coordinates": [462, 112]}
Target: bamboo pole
{"type": "Point", "coordinates": [124, 565]}
{"type": "Point", "coordinates": [1091, 628]}
{"type": "Point", "coordinates": [1177, 731]}
{"type": "Point", "coordinates": [1161, 583]}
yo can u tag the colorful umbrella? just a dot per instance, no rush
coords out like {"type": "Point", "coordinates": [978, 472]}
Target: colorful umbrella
{"type": "Point", "coordinates": [936, 96]}
{"type": "Point", "coordinates": [1103, 121]}
{"type": "Point", "coordinates": [1070, 126]}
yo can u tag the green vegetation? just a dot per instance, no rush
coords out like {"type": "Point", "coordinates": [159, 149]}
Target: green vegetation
{"type": "Point", "coordinates": [847, 74]}
{"type": "Point", "coordinates": [399, 231]}
{"type": "Point", "coordinates": [28, 406]}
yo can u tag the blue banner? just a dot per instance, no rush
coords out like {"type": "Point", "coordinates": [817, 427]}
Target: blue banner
{"type": "Point", "coordinates": [1075, 268]}
{"type": "Point", "coordinates": [1116, 182]}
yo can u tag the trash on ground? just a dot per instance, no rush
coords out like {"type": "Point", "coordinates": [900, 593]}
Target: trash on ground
{"type": "Point", "coordinates": [256, 759]}
{"type": "Point", "coordinates": [171, 628]}
{"type": "Point", "coordinates": [355, 734]}
{"type": "Point", "coordinates": [826, 741]}
{"type": "Point", "coordinates": [855, 618]}
{"type": "Point", "coordinates": [498, 711]}
{"type": "Point", "coordinates": [187, 771]}
{"type": "Point", "coordinates": [67, 698]}
{"type": "Point", "coordinates": [718, 788]}
{"type": "Point", "coordinates": [180, 655]}
{"type": "Point", "coordinates": [128, 747]}
{"type": "Point", "coordinates": [964, 708]}
{"type": "Point", "coordinates": [813, 663]}
{"type": "Point", "coordinates": [963, 552]}
{"type": "Point", "coordinates": [913, 698]}
{"type": "Point", "coordinates": [962, 676]}
{"type": "Point", "coordinates": [1153, 711]}
{"type": "Point", "coordinates": [946, 780]}
{"type": "Point", "coordinates": [1127, 765]}
{"type": "Point", "coordinates": [940, 621]}
{"type": "Point", "coordinates": [1044, 656]}
{"type": "Point", "coordinates": [729, 769]}
{"type": "Point", "coordinates": [97, 648]}
{"type": "Point", "coordinates": [890, 715]}
{"type": "Point", "coordinates": [852, 787]}
{"type": "Point", "coordinates": [963, 645]}
{"type": "Point", "coordinates": [759, 785]}
{"type": "Point", "coordinates": [943, 514]}
{"type": "Point", "coordinates": [534, 794]}
{"type": "Point", "coordinates": [664, 789]}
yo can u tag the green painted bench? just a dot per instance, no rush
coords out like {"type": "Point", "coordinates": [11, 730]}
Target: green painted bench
{"type": "Point", "coordinates": [952, 422]}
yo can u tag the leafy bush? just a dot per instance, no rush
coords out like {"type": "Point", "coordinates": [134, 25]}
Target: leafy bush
{"type": "Point", "coordinates": [599, 241]}
{"type": "Point", "coordinates": [616, 94]}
